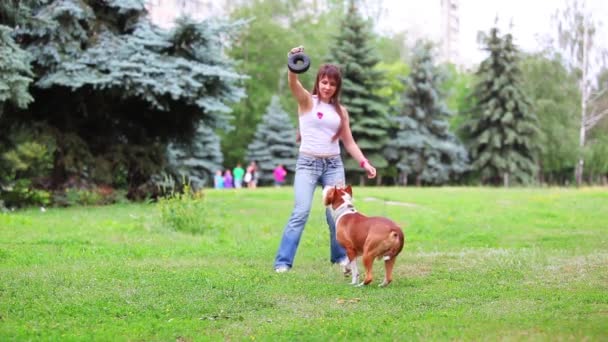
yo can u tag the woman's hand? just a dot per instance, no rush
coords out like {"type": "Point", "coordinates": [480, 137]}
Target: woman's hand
{"type": "Point", "coordinates": [295, 50]}
{"type": "Point", "coordinates": [370, 170]}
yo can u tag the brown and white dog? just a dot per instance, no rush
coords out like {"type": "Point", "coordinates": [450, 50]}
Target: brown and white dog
{"type": "Point", "coordinates": [369, 237]}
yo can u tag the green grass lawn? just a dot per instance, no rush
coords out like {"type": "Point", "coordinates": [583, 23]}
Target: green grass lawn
{"type": "Point", "coordinates": [478, 264]}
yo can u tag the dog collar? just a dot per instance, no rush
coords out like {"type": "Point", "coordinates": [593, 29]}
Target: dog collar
{"type": "Point", "coordinates": [342, 210]}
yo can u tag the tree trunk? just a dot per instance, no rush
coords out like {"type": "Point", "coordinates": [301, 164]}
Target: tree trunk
{"type": "Point", "coordinates": [505, 179]}
{"type": "Point", "coordinates": [578, 172]}
{"type": "Point", "coordinates": [540, 175]}
{"type": "Point", "coordinates": [403, 179]}
{"type": "Point", "coordinates": [379, 180]}
{"type": "Point", "coordinates": [418, 180]}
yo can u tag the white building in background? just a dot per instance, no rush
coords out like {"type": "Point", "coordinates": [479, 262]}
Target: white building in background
{"type": "Point", "coordinates": [450, 31]}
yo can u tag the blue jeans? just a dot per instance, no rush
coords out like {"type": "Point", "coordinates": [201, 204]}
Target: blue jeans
{"type": "Point", "coordinates": [310, 172]}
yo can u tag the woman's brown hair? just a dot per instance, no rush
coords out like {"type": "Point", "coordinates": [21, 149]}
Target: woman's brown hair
{"type": "Point", "coordinates": [333, 73]}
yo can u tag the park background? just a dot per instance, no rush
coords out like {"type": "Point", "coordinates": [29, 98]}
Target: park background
{"type": "Point", "coordinates": [106, 101]}
{"type": "Point", "coordinates": [505, 240]}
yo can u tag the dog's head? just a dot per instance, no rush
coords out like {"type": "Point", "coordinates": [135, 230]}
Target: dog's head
{"type": "Point", "coordinates": [335, 196]}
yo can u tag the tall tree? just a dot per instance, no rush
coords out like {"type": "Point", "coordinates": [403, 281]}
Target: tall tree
{"type": "Point", "coordinates": [355, 53]}
{"type": "Point", "coordinates": [14, 61]}
{"type": "Point", "coordinates": [595, 154]}
{"type": "Point", "coordinates": [198, 159]}
{"type": "Point", "coordinates": [273, 142]}
{"type": "Point", "coordinates": [576, 32]}
{"type": "Point", "coordinates": [457, 87]}
{"type": "Point", "coordinates": [554, 97]}
{"type": "Point", "coordinates": [116, 89]}
{"type": "Point", "coordinates": [503, 131]}
{"type": "Point", "coordinates": [422, 145]}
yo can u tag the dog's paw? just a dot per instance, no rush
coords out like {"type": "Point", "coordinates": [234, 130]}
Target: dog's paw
{"type": "Point", "coordinates": [384, 283]}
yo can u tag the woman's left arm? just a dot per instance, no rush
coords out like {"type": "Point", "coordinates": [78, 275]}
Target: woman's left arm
{"type": "Point", "coordinates": [353, 149]}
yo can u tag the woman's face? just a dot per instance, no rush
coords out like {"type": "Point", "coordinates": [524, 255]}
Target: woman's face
{"type": "Point", "coordinates": [327, 88]}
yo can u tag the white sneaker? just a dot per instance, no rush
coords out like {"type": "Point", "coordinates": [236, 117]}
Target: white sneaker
{"type": "Point", "coordinates": [281, 269]}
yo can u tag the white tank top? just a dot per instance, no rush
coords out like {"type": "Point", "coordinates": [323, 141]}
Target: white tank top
{"type": "Point", "coordinates": [318, 127]}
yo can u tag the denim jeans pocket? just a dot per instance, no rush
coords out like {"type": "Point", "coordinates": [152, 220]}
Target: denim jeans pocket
{"type": "Point", "coordinates": [334, 162]}
{"type": "Point", "coordinates": [305, 163]}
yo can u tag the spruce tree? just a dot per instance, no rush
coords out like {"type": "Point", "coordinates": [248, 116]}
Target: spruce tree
{"type": "Point", "coordinates": [15, 65]}
{"type": "Point", "coordinates": [421, 145]}
{"type": "Point", "coordinates": [197, 160]}
{"type": "Point", "coordinates": [274, 142]}
{"type": "Point", "coordinates": [503, 131]}
{"type": "Point", "coordinates": [117, 88]}
{"type": "Point", "coordinates": [369, 120]}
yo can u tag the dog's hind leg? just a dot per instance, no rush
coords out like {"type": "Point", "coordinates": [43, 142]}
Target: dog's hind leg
{"type": "Point", "coordinates": [368, 263]}
{"type": "Point", "coordinates": [388, 271]}
{"type": "Point", "coordinates": [354, 271]}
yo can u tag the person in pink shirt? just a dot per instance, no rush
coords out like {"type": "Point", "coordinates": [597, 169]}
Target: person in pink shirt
{"type": "Point", "coordinates": [279, 175]}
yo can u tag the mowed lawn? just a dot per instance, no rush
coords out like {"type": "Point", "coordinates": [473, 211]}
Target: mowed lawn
{"type": "Point", "coordinates": [479, 264]}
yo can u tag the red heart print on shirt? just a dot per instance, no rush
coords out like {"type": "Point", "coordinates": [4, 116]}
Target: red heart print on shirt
{"type": "Point", "coordinates": [320, 115]}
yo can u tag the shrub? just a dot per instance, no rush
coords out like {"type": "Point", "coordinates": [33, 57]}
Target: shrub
{"type": "Point", "coordinates": [26, 159]}
{"type": "Point", "coordinates": [100, 195]}
{"type": "Point", "coordinates": [21, 193]}
{"type": "Point", "coordinates": [184, 211]}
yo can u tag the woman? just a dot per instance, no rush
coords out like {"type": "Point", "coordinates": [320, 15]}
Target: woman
{"type": "Point", "coordinates": [323, 122]}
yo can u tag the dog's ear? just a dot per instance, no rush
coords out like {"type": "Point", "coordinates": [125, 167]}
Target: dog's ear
{"type": "Point", "coordinates": [349, 190]}
{"type": "Point", "coordinates": [328, 195]}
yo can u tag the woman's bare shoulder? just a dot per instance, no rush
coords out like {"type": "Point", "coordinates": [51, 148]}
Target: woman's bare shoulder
{"type": "Point", "coordinates": [344, 110]}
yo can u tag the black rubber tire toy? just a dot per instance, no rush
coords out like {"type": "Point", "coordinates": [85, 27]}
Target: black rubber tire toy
{"type": "Point", "coordinates": [298, 63]}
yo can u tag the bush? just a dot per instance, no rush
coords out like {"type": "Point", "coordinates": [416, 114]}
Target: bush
{"type": "Point", "coordinates": [26, 159]}
{"type": "Point", "coordinates": [21, 193]}
{"type": "Point", "coordinates": [185, 211]}
{"type": "Point", "coordinates": [101, 195]}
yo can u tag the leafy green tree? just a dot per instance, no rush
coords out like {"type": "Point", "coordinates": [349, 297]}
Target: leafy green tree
{"type": "Point", "coordinates": [274, 142]}
{"type": "Point", "coordinates": [394, 87]}
{"type": "Point", "coordinates": [369, 118]}
{"type": "Point", "coordinates": [597, 150]}
{"type": "Point", "coordinates": [457, 87]}
{"type": "Point", "coordinates": [116, 89]}
{"type": "Point", "coordinates": [422, 145]}
{"type": "Point", "coordinates": [577, 28]}
{"type": "Point", "coordinates": [197, 160]}
{"type": "Point", "coordinates": [392, 48]}
{"type": "Point", "coordinates": [503, 134]}
{"type": "Point", "coordinates": [555, 99]}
